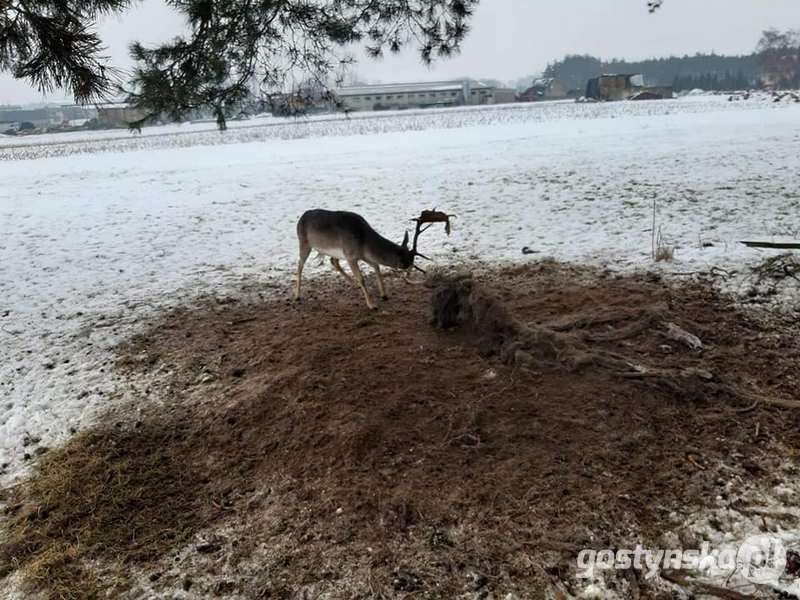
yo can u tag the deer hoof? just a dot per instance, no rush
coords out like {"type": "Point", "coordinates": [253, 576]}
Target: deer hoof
{"type": "Point", "coordinates": [384, 297]}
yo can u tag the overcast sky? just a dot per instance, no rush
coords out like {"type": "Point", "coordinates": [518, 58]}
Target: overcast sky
{"type": "Point", "coordinates": [515, 38]}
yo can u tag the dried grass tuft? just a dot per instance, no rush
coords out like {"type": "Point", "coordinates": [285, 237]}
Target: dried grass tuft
{"type": "Point", "coordinates": [662, 251]}
{"type": "Point", "coordinates": [128, 493]}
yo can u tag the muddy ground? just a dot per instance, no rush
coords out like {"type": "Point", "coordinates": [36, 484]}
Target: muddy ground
{"type": "Point", "coordinates": [319, 450]}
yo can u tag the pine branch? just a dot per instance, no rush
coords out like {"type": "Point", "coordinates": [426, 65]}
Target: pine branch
{"type": "Point", "coordinates": [53, 45]}
{"type": "Point", "coordinates": [232, 46]}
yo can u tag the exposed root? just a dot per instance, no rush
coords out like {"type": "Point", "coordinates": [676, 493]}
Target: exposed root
{"type": "Point", "coordinates": [699, 587]}
{"type": "Point", "coordinates": [640, 326]}
{"type": "Point", "coordinates": [776, 270]}
{"type": "Point", "coordinates": [584, 322]}
{"type": "Point", "coordinates": [460, 302]}
{"type": "Point", "coordinates": [753, 397]}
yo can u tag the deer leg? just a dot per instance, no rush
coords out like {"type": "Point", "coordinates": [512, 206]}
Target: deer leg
{"type": "Point", "coordinates": [359, 277]}
{"type": "Point", "coordinates": [305, 250]}
{"type": "Point", "coordinates": [381, 288]}
{"type": "Point", "coordinates": [338, 267]}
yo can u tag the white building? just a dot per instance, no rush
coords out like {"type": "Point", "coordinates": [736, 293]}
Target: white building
{"type": "Point", "coordinates": [394, 96]}
{"type": "Point", "coordinates": [118, 114]}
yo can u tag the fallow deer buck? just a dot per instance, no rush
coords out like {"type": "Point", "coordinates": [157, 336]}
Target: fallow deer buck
{"type": "Point", "coordinates": [343, 235]}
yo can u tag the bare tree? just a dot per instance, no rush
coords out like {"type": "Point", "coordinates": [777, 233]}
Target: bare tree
{"type": "Point", "coordinates": [779, 58]}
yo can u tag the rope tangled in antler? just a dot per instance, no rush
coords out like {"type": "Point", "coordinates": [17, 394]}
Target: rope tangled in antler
{"type": "Point", "coordinates": [428, 218]}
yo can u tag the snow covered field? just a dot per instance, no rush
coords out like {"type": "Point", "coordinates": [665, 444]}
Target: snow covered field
{"type": "Point", "coordinates": [97, 231]}
{"type": "Point", "coordinates": [268, 128]}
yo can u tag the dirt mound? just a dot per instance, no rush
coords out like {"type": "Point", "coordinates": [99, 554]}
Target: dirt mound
{"type": "Point", "coordinates": [464, 303]}
{"type": "Point", "coordinates": [372, 455]}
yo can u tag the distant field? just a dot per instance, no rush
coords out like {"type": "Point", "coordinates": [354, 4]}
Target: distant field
{"type": "Point", "coordinates": [361, 123]}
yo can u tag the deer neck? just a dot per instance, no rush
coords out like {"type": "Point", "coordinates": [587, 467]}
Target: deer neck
{"type": "Point", "coordinates": [382, 251]}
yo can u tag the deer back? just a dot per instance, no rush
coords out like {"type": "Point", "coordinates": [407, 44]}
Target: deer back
{"type": "Point", "coordinates": [347, 235]}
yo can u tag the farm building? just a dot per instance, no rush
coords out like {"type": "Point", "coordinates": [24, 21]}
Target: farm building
{"type": "Point", "coordinates": [117, 115]}
{"type": "Point", "coordinates": [625, 87]}
{"type": "Point", "coordinates": [614, 87]}
{"type": "Point", "coordinates": [40, 118]}
{"type": "Point", "coordinates": [546, 88]}
{"type": "Point", "coordinates": [393, 96]}
{"type": "Point", "coordinates": [32, 117]}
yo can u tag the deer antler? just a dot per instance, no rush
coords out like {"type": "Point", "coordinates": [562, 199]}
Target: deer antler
{"type": "Point", "coordinates": [428, 218]}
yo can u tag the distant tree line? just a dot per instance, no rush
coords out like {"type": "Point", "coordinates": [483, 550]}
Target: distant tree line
{"type": "Point", "coordinates": [774, 64]}
{"type": "Point", "coordinates": [716, 81]}
{"type": "Point", "coordinates": [706, 71]}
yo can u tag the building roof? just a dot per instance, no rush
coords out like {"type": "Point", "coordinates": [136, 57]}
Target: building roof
{"type": "Point", "coordinates": [24, 114]}
{"type": "Point", "coordinates": [628, 75]}
{"type": "Point", "coordinates": [543, 82]}
{"type": "Point", "coordinates": [409, 88]}
{"type": "Point", "coordinates": [112, 105]}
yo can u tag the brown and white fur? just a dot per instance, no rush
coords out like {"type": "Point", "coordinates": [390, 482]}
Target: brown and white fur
{"type": "Point", "coordinates": [343, 235]}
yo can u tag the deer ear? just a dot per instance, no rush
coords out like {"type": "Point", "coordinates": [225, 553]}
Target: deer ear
{"type": "Point", "coordinates": [405, 241]}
